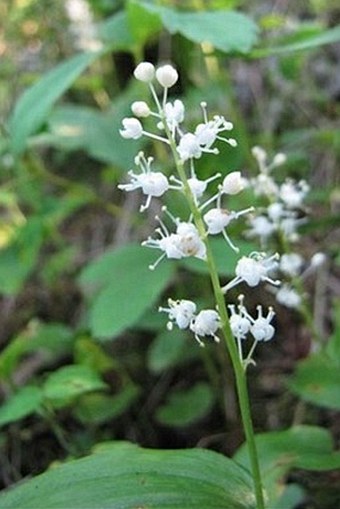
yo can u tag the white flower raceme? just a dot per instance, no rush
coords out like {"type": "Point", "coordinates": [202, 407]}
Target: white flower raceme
{"type": "Point", "coordinates": [133, 129]}
{"type": "Point", "coordinates": [206, 323]}
{"type": "Point", "coordinates": [253, 269]}
{"type": "Point", "coordinates": [179, 311]}
{"type": "Point", "coordinates": [150, 182]}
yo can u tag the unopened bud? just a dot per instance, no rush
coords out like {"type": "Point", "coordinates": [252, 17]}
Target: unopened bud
{"type": "Point", "coordinates": [145, 71]}
{"type": "Point", "coordinates": [166, 76]}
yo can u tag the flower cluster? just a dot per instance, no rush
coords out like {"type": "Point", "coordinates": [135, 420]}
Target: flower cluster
{"type": "Point", "coordinates": [183, 314]}
{"type": "Point", "coordinates": [285, 209]}
{"type": "Point", "coordinates": [179, 238]}
{"type": "Point", "coordinates": [242, 325]}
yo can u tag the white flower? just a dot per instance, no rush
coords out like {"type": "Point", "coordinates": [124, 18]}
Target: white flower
{"type": "Point", "coordinates": [261, 329]}
{"type": "Point", "coordinates": [182, 244]}
{"type": "Point", "coordinates": [252, 270]}
{"type": "Point", "coordinates": [288, 297]}
{"type": "Point", "coordinates": [293, 193]}
{"type": "Point", "coordinates": [145, 71]}
{"type": "Point", "coordinates": [217, 219]}
{"type": "Point", "coordinates": [279, 159]}
{"type": "Point", "coordinates": [261, 227]}
{"type": "Point", "coordinates": [206, 323]}
{"type": "Point", "coordinates": [239, 323]}
{"type": "Point", "coordinates": [276, 211]}
{"type": "Point", "coordinates": [233, 183]}
{"type": "Point", "coordinates": [166, 76]}
{"type": "Point", "coordinates": [174, 114]}
{"type": "Point", "coordinates": [318, 259]}
{"type": "Point", "coordinates": [189, 147]}
{"type": "Point", "coordinates": [291, 264]}
{"type": "Point", "coordinates": [140, 109]}
{"type": "Point", "coordinates": [181, 312]}
{"type": "Point", "coordinates": [133, 129]}
{"type": "Point", "coordinates": [190, 243]}
{"type": "Point", "coordinates": [150, 182]}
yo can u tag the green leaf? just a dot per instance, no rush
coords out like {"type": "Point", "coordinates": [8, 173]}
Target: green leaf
{"type": "Point", "coordinates": [166, 350]}
{"type": "Point", "coordinates": [21, 404]}
{"type": "Point", "coordinates": [305, 42]}
{"type": "Point", "coordinates": [123, 476]}
{"type": "Point", "coordinates": [70, 382]}
{"type": "Point", "coordinates": [116, 32]}
{"type": "Point", "coordinates": [305, 447]}
{"type": "Point", "coordinates": [35, 104]}
{"type": "Point", "coordinates": [317, 380]}
{"type": "Point", "coordinates": [52, 340]}
{"type": "Point", "coordinates": [142, 23]}
{"type": "Point", "coordinates": [185, 407]}
{"type": "Point", "coordinates": [18, 259]}
{"type": "Point", "coordinates": [128, 288]}
{"type": "Point", "coordinates": [226, 30]}
{"type": "Point", "coordinates": [98, 408]}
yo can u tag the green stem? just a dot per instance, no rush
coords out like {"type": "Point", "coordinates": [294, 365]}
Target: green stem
{"type": "Point", "coordinates": [240, 374]}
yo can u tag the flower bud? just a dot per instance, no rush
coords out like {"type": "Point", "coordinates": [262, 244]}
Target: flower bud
{"type": "Point", "coordinates": [132, 129]}
{"type": "Point", "coordinates": [145, 71]}
{"type": "Point", "coordinates": [140, 109]}
{"type": "Point", "coordinates": [233, 183]}
{"type": "Point", "coordinates": [166, 76]}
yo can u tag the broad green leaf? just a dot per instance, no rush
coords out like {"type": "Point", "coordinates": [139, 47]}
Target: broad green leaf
{"type": "Point", "coordinates": [225, 258]}
{"type": "Point", "coordinates": [305, 447]}
{"type": "Point", "coordinates": [116, 32]}
{"type": "Point", "coordinates": [21, 404]}
{"type": "Point", "coordinates": [123, 476]}
{"type": "Point", "coordinates": [305, 42]}
{"type": "Point", "coordinates": [186, 406]}
{"type": "Point", "coordinates": [70, 382]}
{"type": "Point", "coordinates": [35, 104]}
{"type": "Point", "coordinates": [143, 24]}
{"type": "Point", "coordinates": [226, 30]}
{"type": "Point", "coordinates": [317, 380]}
{"type": "Point", "coordinates": [17, 259]}
{"type": "Point", "coordinates": [74, 127]}
{"type": "Point", "coordinates": [166, 350]}
{"type": "Point", "coordinates": [98, 408]}
{"type": "Point", "coordinates": [52, 340]}
{"type": "Point", "coordinates": [128, 288]}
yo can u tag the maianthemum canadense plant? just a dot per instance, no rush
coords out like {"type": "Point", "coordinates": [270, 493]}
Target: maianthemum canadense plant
{"type": "Point", "coordinates": [190, 236]}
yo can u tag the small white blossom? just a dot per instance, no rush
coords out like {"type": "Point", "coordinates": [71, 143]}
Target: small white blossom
{"type": "Point", "coordinates": [150, 182]}
{"type": "Point", "coordinates": [133, 129]}
{"type": "Point", "coordinates": [189, 147]}
{"type": "Point", "coordinates": [166, 76]}
{"type": "Point", "coordinates": [318, 259]}
{"type": "Point", "coordinates": [291, 264]}
{"type": "Point", "coordinates": [293, 193]}
{"type": "Point", "coordinates": [261, 227]}
{"type": "Point", "coordinates": [181, 312]}
{"type": "Point", "coordinates": [140, 109]}
{"type": "Point", "coordinates": [239, 322]}
{"type": "Point", "coordinates": [206, 323]}
{"type": "Point", "coordinates": [233, 183]}
{"type": "Point", "coordinates": [182, 244]}
{"type": "Point", "coordinates": [252, 270]}
{"type": "Point", "coordinates": [174, 114]}
{"type": "Point", "coordinates": [288, 297]}
{"type": "Point", "coordinates": [217, 219]}
{"type": "Point", "coordinates": [145, 71]}
{"type": "Point", "coordinates": [261, 329]}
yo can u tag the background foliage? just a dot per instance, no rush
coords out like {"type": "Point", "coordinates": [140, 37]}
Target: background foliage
{"type": "Point", "coordinates": [85, 358]}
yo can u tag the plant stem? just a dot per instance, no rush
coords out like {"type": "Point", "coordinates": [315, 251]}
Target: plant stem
{"type": "Point", "coordinates": [239, 370]}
